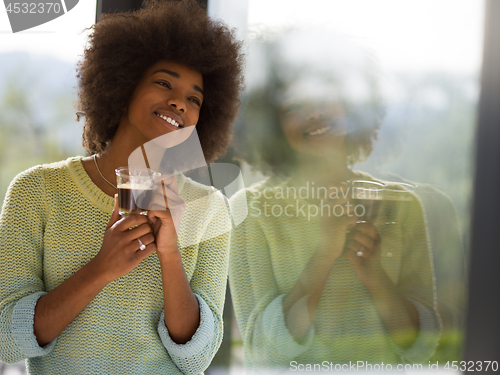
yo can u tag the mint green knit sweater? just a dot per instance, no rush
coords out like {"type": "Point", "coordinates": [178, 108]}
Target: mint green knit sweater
{"type": "Point", "coordinates": [52, 223]}
{"type": "Point", "coordinates": [271, 248]}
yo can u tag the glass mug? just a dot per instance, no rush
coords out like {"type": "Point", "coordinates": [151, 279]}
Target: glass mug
{"type": "Point", "coordinates": [135, 189]}
{"type": "Point", "coordinates": [368, 195]}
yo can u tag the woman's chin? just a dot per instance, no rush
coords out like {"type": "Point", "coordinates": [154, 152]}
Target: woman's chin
{"type": "Point", "coordinates": [325, 148]}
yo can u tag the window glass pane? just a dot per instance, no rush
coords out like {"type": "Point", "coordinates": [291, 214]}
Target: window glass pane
{"type": "Point", "coordinates": [37, 96]}
{"type": "Point", "coordinates": [38, 91]}
{"type": "Point", "coordinates": [337, 92]}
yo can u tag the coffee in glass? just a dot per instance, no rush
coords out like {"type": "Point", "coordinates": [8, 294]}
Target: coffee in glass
{"type": "Point", "coordinates": [135, 189]}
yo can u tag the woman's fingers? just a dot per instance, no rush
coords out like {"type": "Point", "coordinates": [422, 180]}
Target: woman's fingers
{"type": "Point", "coordinates": [166, 197]}
{"type": "Point", "coordinates": [358, 249]}
{"type": "Point", "coordinates": [363, 241]}
{"type": "Point", "coordinates": [166, 193]}
{"type": "Point", "coordinates": [167, 205]}
{"type": "Point", "coordinates": [134, 227]}
{"type": "Point", "coordinates": [145, 241]}
{"type": "Point", "coordinates": [354, 257]}
{"type": "Point", "coordinates": [361, 238]}
{"type": "Point", "coordinates": [368, 229]}
{"type": "Point", "coordinates": [115, 215]}
{"type": "Point", "coordinates": [130, 221]}
{"type": "Point", "coordinates": [169, 181]}
{"type": "Point", "coordinates": [138, 231]}
{"type": "Point", "coordinates": [364, 235]}
{"type": "Point", "coordinates": [122, 241]}
{"type": "Point", "coordinates": [142, 254]}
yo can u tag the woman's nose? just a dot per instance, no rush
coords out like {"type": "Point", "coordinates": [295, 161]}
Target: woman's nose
{"type": "Point", "coordinates": [177, 103]}
{"type": "Point", "coordinates": [315, 115]}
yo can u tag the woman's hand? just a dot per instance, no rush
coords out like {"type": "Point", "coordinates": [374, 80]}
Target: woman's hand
{"type": "Point", "coordinates": [399, 316]}
{"type": "Point", "coordinates": [165, 214]}
{"type": "Point", "coordinates": [182, 312]}
{"type": "Point", "coordinates": [311, 282]}
{"type": "Point", "coordinates": [362, 248]}
{"type": "Point", "coordinates": [334, 228]}
{"type": "Point", "coordinates": [120, 252]}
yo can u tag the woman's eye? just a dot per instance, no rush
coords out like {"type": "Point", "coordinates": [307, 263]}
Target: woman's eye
{"type": "Point", "coordinates": [291, 108]}
{"type": "Point", "coordinates": [196, 101]}
{"type": "Point", "coordinates": [164, 84]}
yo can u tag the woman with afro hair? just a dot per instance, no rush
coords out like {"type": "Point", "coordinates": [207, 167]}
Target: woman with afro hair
{"type": "Point", "coordinates": [85, 290]}
{"type": "Point", "coordinates": [331, 266]}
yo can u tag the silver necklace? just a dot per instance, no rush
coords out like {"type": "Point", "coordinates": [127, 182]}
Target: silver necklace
{"type": "Point", "coordinates": [98, 170]}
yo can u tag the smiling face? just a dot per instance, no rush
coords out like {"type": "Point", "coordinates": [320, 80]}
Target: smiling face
{"type": "Point", "coordinates": [168, 97]}
{"type": "Point", "coordinates": [312, 119]}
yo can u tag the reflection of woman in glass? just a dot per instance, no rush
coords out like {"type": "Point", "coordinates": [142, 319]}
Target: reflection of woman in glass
{"type": "Point", "coordinates": [84, 290]}
{"type": "Point", "coordinates": [310, 281]}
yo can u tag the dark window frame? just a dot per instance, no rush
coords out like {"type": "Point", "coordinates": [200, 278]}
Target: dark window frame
{"type": "Point", "coordinates": [483, 318]}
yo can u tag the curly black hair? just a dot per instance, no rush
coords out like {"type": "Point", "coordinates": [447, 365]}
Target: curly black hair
{"type": "Point", "coordinates": [122, 47]}
{"type": "Point", "coordinates": [260, 140]}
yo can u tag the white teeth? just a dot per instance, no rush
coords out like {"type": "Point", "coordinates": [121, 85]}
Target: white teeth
{"type": "Point", "coordinates": [319, 131]}
{"type": "Point", "coordinates": [168, 119]}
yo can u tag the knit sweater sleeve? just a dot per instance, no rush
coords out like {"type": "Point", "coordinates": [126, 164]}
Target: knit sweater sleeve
{"type": "Point", "coordinates": [209, 286]}
{"type": "Point", "coordinates": [22, 224]}
{"type": "Point", "coordinates": [257, 299]}
{"type": "Point", "coordinates": [417, 284]}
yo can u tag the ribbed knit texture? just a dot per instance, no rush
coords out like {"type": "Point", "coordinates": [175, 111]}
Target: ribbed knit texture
{"type": "Point", "coordinates": [268, 254]}
{"type": "Point", "coordinates": [52, 223]}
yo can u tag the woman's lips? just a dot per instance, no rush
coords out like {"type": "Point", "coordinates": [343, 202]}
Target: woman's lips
{"type": "Point", "coordinates": [318, 131]}
{"type": "Point", "coordinates": [170, 119]}
{"type": "Point", "coordinates": [326, 128]}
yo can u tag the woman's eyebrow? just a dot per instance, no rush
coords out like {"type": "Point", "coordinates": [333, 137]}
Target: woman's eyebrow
{"type": "Point", "coordinates": [199, 89]}
{"type": "Point", "coordinates": [176, 75]}
{"type": "Point", "coordinates": [169, 72]}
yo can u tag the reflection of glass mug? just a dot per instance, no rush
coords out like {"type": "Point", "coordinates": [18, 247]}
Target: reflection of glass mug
{"type": "Point", "coordinates": [368, 195]}
{"type": "Point", "coordinates": [399, 193]}
{"type": "Point", "coordinates": [135, 189]}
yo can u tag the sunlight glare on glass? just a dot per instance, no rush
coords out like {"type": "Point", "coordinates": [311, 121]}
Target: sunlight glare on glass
{"type": "Point", "coordinates": [407, 35]}
{"type": "Point", "coordinates": [63, 37]}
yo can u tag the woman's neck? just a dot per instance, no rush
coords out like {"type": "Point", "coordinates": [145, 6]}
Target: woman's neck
{"type": "Point", "coordinates": [323, 171]}
{"type": "Point", "coordinates": [101, 167]}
